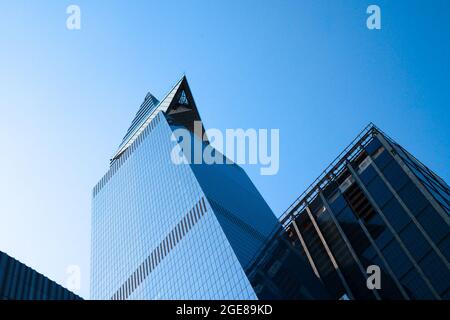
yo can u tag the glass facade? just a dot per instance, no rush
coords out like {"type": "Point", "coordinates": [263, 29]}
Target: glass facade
{"type": "Point", "coordinates": [20, 282]}
{"type": "Point", "coordinates": [162, 230]}
{"type": "Point", "coordinates": [376, 205]}
{"type": "Point", "coordinates": [136, 210]}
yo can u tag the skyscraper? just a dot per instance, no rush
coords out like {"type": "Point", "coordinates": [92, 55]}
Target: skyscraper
{"type": "Point", "coordinates": [20, 282]}
{"type": "Point", "coordinates": [375, 205]}
{"type": "Point", "coordinates": [162, 230]}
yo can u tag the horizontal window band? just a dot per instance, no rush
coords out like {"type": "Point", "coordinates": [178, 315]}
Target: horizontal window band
{"type": "Point", "coordinates": [123, 157]}
{"type": "Point", "coordinates": [161, 251]}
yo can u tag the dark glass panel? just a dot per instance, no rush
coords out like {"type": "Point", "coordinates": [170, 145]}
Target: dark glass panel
{"type": "Point", "coordinates": [433, 224]}
{"type": "Point", "coordinates": [414, 241]}
{"type": "Point", "coordinates": [379, 232]}
{"type": "Point", "coordinates": [434, 268]}
{"type": "Point", "coordinates": [413, 198]}
{"type": "Point", "coordinates": [396, 258]}
{"type": "Point", "coordinates": [368, 174]}
{"type": "Point", "coordinates": [383, 159]}
{"type": "Point", "coordinates": [338, 204]}
{"type": "Point", "coordinates": [444, 246]}
{"type": "Point", "coordinates": [378, 190]}
{"type": "Point", "coordinates": [415, 286]}
{"type": "Point", "coordinates": [395, 175]}
{"type": "Point", "coordinates": [395, 214]}
{"type": "Point", "coordinates": [373, 146]}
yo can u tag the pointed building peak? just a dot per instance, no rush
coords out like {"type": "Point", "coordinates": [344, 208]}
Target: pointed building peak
{"type": "Point", "coordinates": [149, 96]}
{"type": "Point", "coordinates": [146, 108]}
{"type": "Point", "coordinates": [178, 106]}
{"type": "Point", "coordinates": [183, 79]}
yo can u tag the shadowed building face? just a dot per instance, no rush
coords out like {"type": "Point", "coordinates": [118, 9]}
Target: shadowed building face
{"type": "Point", "coordinates": [376, 205]}
{"type": "Point", "coordinates": [20, 282]}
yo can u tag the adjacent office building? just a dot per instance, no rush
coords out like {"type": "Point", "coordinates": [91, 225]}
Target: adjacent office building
{"type": "Point", "coordinates": [375, 205]}
{"type": "Point", "coordinates": [163, 230]}
{"type": "Point", "coordinates": [20, 282]}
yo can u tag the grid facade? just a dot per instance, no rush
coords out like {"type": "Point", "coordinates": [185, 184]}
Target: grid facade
{"type": "Point", "coordinates": [154, 232]}
{"type": "Point", "coordinates": [162, 230]}
{"type": "Point", "coordinates": [246, 219]}
{"type": "Point", "coordinates": [376, 205]}
{"type": "Point", "coordinates": [20, 282]}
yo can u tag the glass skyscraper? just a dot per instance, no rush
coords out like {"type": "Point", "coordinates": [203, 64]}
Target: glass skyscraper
{"type": "Point", "coordinates": [162, 230]}
{"type": "Point", "coordinates": [376, 204]}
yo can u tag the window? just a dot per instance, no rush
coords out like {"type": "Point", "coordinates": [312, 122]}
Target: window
{"type": "Point", "coordinates": [204, 205]}
{"type": "Point", "coordinates": [414, 241]}
{"type": "Point", "coordinates": [395, 175]}
{"type": "Point", "coordinates": [396, 258]}
{"type": "Point", "coordinates": [363, 165]}
{"type": "Point", "coordinates": [177, 232]}
{"type": "Point", "coordinates": [162, 250]}
{"type": "Point", "coordinates": [183, 99]}
{"type": "Point", "coordinates": [373, 146]}
{"type": "Point", "coordinates": [152, 260]}
{"type": "Point", "coordinates": [413, 198]}
{"type": "Point", "coordinates": [194, 214]}
{"type": "Point", "coordinates": [416, 286]}
{"type": "Point", "coordinates": [382, 158]}
{"type": "Point", "coordinates": [158, 258]}
{"type": "Point", "coordinates": [395, 214]}
{"type": "Point", "coordinates": [368, 174]}
{"type": "Point", "coordinates": [347, 183]}
{"type": "Point", "coordinates": [436, 271]}
{"type": "Point", "coordinates": [171, 240]}
{"type": "Point", "coordinates": [189, 219]}
{"type": "Point", "coordinates": [379, 191]}
{"type": "Point", "coordinates": [338, 203]}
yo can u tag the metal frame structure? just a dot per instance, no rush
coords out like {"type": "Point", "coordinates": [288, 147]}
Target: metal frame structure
{"type": "Point", "coordinates": [334, 169]}
{"type": "Point", "coordinates": [342, 165]}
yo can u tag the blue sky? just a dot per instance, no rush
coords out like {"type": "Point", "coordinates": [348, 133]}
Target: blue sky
{"type": "Point", "coordinates": [310, 68]}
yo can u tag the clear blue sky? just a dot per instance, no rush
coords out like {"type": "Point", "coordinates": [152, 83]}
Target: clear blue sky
{"type": "Point", "coordinates": [310, 68]}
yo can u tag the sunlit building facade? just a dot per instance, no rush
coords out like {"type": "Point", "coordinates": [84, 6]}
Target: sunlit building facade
{"type": "Point", "coordinates": [162, 230]}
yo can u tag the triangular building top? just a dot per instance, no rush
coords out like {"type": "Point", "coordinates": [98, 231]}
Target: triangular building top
{"type": "Point", "coordinates": [178, 106]}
